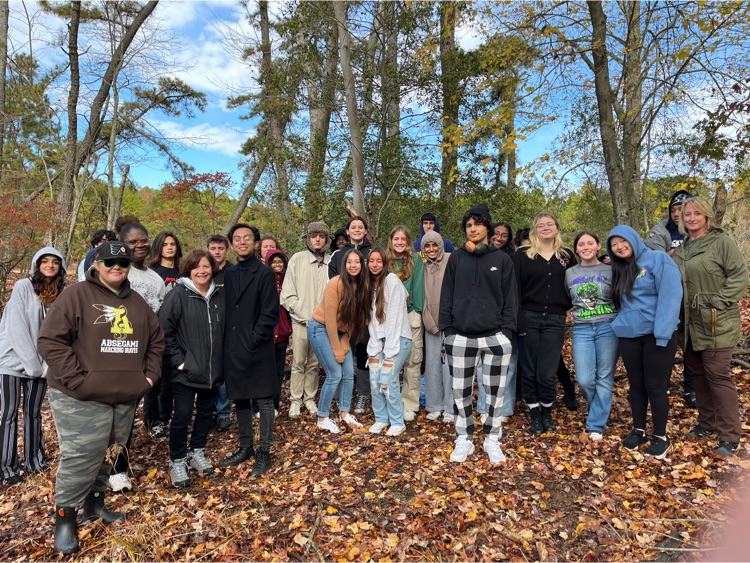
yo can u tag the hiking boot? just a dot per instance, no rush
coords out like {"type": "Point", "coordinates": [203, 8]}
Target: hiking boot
{"type": "Point", "coordinates": [361, 404]}
{"type": "Point", "coordinates": [633, 440]}
{"type": "Point", "coordinates": [120, 482]}
{"type": "Point", "coordinates": [493, 450]}
{"type": "Point", "coordinates": [242, 454]}
{"type": "Point", "coordinates": [658, 447]}
{"type": "Point", "coordinates": [690, 400]}
{"type": "Point", "coordinates": [698, 432]}
{"type": "Point", "coordinates": [727, 449]}
{"type": "Point", "coordinates": [198, 462]}
{"type": "Point", "coordinates": [463, 449]}
{"type": "Point", "coordinates": [547, 423]}
{"type": "Point", "coordinates": [536, 427]}
{"type": "Point", "coordinates": [178, 473]}
{"type": "Point", "coordinates": [93, 509]}
{"type": "Point", "coordinates": [262, 462]}
{"type": "Point", "coordinates": [66, 541]}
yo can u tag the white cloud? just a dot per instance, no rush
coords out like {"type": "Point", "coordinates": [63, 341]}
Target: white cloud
{"type": "Point", "coordinates": [208, 137]}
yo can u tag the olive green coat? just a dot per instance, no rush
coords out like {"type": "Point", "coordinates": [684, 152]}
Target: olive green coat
{"type": "Point", "coordinates": [714, 278]}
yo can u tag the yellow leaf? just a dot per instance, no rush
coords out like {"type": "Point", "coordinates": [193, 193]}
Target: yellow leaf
{"type": "Point", "coordinates": [619, 524]}
{"type": "Point", "coordinates": [332, 510]}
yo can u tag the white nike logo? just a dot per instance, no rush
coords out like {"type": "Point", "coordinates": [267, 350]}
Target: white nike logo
{"type": "Point", "coordinates": [493, 269]}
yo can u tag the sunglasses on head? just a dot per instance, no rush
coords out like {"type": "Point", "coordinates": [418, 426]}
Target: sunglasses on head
{"type": "Point", "coordinates": [111, 262]}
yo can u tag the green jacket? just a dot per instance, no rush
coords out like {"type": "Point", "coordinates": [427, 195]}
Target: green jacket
{"type": "Point", "coordinates": [714, 278]}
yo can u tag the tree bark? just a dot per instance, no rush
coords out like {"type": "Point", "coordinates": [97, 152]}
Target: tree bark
{"type": "Point", "coordinates": [118, 200]}
{"type": "Point", "coordinates": [449, 76]}
{"type": "Point", "coordinates": [247, 192]}
{"type": "Point", "coordinates": [355, 132]}
{"type": "Point", "coordinates": [4, 17]}
{"type": "Point", "coordinates": [391, 99]}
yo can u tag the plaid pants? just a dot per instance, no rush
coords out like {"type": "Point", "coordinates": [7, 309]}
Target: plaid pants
{"type": "Point", "coordinates": [462, 353]}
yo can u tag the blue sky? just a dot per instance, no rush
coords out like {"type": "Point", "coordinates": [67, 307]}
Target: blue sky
{"type": "Point", "coordinates": [205, 60]}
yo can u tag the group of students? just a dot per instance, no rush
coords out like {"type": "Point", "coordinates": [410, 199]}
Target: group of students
{"type": "Point", "coordinates": [194, 333]}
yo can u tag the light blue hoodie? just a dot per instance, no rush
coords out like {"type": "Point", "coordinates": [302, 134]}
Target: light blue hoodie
{"type": "Point", "coordinates": [657, 292]}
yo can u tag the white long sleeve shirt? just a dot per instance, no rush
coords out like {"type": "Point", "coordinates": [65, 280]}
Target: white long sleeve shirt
{"type": "Point", "coordinates": [396, 325]}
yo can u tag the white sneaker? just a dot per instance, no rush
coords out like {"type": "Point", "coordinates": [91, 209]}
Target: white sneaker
{"type": "Point", "coordinates": [311, 407]}
{"type": "Point", "coordinates": [378, 427]}
{"type": "Point", "coordinates": [435, 415]}
{"type": "Point", "coordinates": [492, 447]}
{"type": "Point", "coordinates": [327, 424]}
{"type": "Point", "coordinates": [462, 450]}
{"type": "Point", "coordinates": [409, 415]}
{"type": "Point", "coordinates": [448, 417]}
{"type": "Point", "coordinates": [294, 410]}
{"type": "Point", "coordinates": [595, 436]}
{"type": "Point", "coordinates": [351, 420]}
{"type": "Point", "coordinates": [396, 430]}
{"type": "Point", "coordinates": [483, 417]}
{"type": "Point", "coordinates": [257, 415]}
{"type": "Point", "coordinates": [120, 482]}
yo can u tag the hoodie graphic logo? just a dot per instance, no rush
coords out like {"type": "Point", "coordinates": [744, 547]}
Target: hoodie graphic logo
{"type": "Point", "coordinates": [641, 273]}
{"type": "Point", "coordinates": [118, 317]}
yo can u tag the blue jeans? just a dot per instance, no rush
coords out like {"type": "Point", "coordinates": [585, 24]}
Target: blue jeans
{"type": "Point", "coordinates": [223, 405]}
{"type": "Point", "coordinates": [336, 373]}
{"type": "Point", "coordinates": [595, 352]}
{"type": "Point", "coordinates": [390, 408]}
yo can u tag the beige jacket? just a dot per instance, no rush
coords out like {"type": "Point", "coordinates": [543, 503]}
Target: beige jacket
{"type": "Point", "coordinates": [305, 280]}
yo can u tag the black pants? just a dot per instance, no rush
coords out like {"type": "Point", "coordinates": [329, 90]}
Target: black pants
{"type": "Point", "coordinates": [186, 401]}
{"type": "Point", "coordinates": [539, 356]}
{"type": "Point", "coordinates": [158, 402]}
{"type": "Point", "coordinates": [280, 363]}
{"type": "Point", "coordinates": [244, 411]}
{"type": "Point", "coordinates": [649, 369]}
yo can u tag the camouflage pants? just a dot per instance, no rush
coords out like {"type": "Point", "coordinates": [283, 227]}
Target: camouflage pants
{"type": "Point", "coordinates": [85, 431]}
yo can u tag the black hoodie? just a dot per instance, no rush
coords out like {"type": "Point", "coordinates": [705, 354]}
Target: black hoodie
{"type": "Point", "coordinates": [334, 266]}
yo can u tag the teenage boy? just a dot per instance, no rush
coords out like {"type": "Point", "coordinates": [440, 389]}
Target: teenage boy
{"type": "Point", "coordinates": [478, 308]}
{"type": "Point", "coordinates": [305, 280]}
{"type": "Point", "coordinates": [252, 312]}
{"type": "Point", "coordinates": [218, 248]}
{"type": "Point", "coordinates": [429, 222]}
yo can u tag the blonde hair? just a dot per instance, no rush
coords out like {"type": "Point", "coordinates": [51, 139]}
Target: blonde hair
{"type": "Point", "coordinates": [536, 243]}
{"type": "Point", "coordinates": [407, 260]}
{"type": "Point", "coordinates": [703, 206]}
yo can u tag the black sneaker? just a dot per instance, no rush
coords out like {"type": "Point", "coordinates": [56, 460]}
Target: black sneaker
{"type": "Point", "coordinates": [658, 447]}
{"type": "Point", "coordinates": [690, 400]}
{"type": "Point", "coordinates": [699, 432]}
{"type": "Point", "coordinates": [633, 440]}
{"type": "Point", "coordinates": [726, 449]}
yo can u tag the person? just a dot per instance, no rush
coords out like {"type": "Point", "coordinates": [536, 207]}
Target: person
{"type": "Point", "coordinates": [268, 242]}
{"type": "Point", "coordinates": [100, 236]}
{"type": "Point", "coordinates": [149, 285]}
{"type": "Point", "coordinates": [522, 238]}
{"type": "Point", "coordinates": [356, 230]}
{"type": "Point", "coordinates": [252, 313]}
{"type": "Point", "coordinates": [438, 383]}
{"type": "Point", "coordinates": [389, 344]}
{"type": "Point", "coordinates": [21, 367]}
{"type": "Point", "coordinates": [502, 238]}
{"type": "Point", "coordinates": [714, 279]}
{"type": "Point", "coordinates": [595, 345]}
{"type": "Point", "coordinates": [165, 256]}
{"type": "Point", "coordinates": [192, 318]}
{"type": "Point", "coordinates": [339, 240]}
{"type": "Point", "coordinates": [343, 312]}
{"type": "Point", "coordinates": [647, 291]}
{"type": "Point", "coordinates": [409, 268]}
{"type": "Point", "coordinates": [103, 346]}
{"type": "Point", "coordinates": [304, 282]}
{"type": "Point", "coordinates": [540, 274]}
{"type": "Point", "coordinates": [478, 311]}
{"type": "Point", "coordinates": [218, 248]}
{"type": "Point", "coordinates": [429, 222]}
{"type": "Point", "coordinates": [277, 261]}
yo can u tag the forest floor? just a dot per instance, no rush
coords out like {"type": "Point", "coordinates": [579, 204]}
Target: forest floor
{"type": "Point", "coordinates": [360, 497]}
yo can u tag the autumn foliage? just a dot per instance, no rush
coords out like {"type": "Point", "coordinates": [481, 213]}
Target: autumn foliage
{"type": "Point", "coordinates": [360, 497]}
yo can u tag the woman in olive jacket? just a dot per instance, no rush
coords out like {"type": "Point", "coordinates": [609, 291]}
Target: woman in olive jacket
{"type": "Point", "coordinates": [714, 278]}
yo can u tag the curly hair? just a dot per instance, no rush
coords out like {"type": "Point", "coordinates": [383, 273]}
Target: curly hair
{"type": "Point", "coordinates": [47, 289]}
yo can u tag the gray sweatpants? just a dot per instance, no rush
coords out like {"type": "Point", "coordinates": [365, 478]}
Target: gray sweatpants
{"type": "Point", "coordinates": [438, 386]}
{"type": "Point", "coordinates": [85, 430]}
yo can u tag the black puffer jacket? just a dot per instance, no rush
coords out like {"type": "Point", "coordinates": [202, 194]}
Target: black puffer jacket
{"type": "Point", "coordinates": [194, 328]}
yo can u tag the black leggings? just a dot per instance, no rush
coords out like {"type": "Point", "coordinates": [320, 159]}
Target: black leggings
{"type": "Point", "coordinates": [649, 369]}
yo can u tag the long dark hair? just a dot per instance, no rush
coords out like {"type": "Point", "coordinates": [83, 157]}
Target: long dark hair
{"type": "Point", "coordinates": [47, 289]}
{"type": "Point", "coordinates": [155, 256]}
{"type": "Point", "coordinates": [378, 284]}
{"type": "Point", "coordinates": [510, 246]}
{"type": "Point", "coordinates": [624, 274]}
{"type": "Point", "coordinates": [354, 308]}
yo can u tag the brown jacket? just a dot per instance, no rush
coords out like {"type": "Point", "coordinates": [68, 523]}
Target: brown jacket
{"type": "Point", "coordinates": [100, 346]}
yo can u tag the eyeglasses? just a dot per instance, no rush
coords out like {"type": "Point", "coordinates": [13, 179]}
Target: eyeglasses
{"type": "Point", "coordinates": [112, 262]}
{"type": "Point", "coordinates": [138, 242]}
{"type": "Point", "coordinates": [246, 238]}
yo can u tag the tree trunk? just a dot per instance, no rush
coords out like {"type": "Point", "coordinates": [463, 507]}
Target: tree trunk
{"type": "Point", "coordinates": [391, 99]}
{"type": "Point", "coordinates": [118, 200]}
{"type": "Point", "coordinates": [355, 143]}
{"type": "Point", "coordinates": [247, 192]}
{"type": "Point", "coordinates": [449, 76]}
{"type": "Point", "coordinates": [4, 16]}
{"type": "Point", "coordinates": [510, 130]}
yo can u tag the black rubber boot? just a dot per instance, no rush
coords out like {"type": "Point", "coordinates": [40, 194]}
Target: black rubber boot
{"type": "Point", "coordinates": [93, 509]}
{"type": "Point", "coordinates": [262, 462]}
{"type": "Point", "coordinates": [547, 423]}
{"type": "Point", "coordinates": [242, 454]}
{"type": "Point", "coordinates": [66, 541]}
{"type": "Point", "coordinates": [536, 427]}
